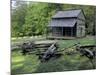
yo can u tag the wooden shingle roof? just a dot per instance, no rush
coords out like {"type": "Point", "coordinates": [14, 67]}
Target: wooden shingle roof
{"type": "Point", "coordinates": [62, 23]}
{"type": "Point", "coordinates": [66, 18]}
{"type": "Point", "coordinates": [67, 14]}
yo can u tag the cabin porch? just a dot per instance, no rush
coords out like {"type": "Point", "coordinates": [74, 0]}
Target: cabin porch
{"type": "Point", "coordinates": [62, 32]}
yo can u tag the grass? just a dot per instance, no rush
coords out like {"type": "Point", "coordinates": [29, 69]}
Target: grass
{"type": "Point", "coordinates": [84, 41]}
{"type": "Point", "coordinates": [30, 63]}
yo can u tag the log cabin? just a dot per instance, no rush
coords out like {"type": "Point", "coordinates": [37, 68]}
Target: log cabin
{"type": "Point", "coordinates": [67, 24]}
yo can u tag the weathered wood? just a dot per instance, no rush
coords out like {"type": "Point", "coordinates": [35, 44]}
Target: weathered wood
{"type": "Point", "coordinates": [65, 20]}
{"type": "Point", "coordinates": [72, 32]}
{"type": "Point", "coordinates": [51, 49]}
{"type": "Point", "coordinates": [87, 46]}
{"type": "Point", "coordinates": [30, 47]}
{"type": "Point", "coordinates": [50, 52]}
{"type": "Point", "coordinates": [62, 31]}
{"type": "Point", "coordinates": [37, 44]}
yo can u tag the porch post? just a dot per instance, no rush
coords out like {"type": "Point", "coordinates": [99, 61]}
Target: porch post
{"type": "Point", "coordinates": [62, 31]}
{"type": "Point", "coordinates": [71, 31]}
{"type": "Point", "coordinates": [51, 31]}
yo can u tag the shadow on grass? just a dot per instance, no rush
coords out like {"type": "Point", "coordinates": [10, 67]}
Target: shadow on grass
{"type": "Point", "coordinates": [16, 71]}
{"type": "Point", "coordinates": [64, 64]}
{"type": "Point", "coordinates": [31, 64]}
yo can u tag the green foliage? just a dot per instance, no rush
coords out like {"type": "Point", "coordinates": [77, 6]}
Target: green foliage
{"type": "Point", "coordinates": [18, 19]}
{"type": "Point", "coordinates": [38, 17]}
{"type": "Point", "coordinates": [29, 19]}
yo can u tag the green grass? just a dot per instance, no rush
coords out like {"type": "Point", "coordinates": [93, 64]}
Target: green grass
{"type": "Point", "coordinates": [30, 63]}
{"type": "Point", "coordinates": [23, 39]}
{"type": "Point", "coordinates": [84, 41]}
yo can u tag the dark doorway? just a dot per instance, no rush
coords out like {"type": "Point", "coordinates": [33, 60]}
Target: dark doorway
{"type": "Point", "coordinates": [69, 31]}
{"type": "Point", "coordinates": [66, 31]}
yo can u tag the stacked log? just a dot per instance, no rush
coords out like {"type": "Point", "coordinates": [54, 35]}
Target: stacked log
{"type": "Point", "coordinates": [30, 47]}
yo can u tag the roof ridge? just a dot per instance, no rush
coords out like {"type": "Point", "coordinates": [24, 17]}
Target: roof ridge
{"type": "Point", "coordinates": [67, 13]}
{"type": "Point", "coordinates": [69, 10]}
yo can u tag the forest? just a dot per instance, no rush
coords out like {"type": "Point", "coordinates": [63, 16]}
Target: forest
{"type": "Point", "coordinates": [32, 18]}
